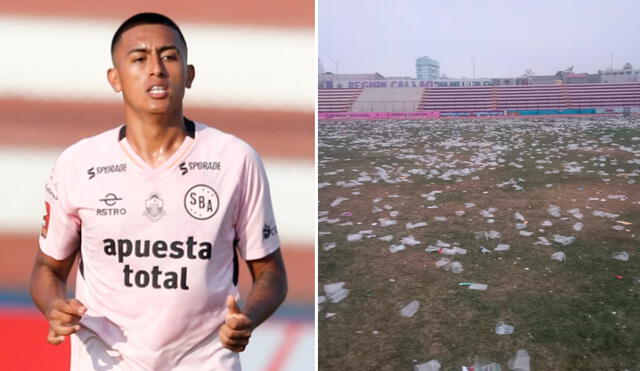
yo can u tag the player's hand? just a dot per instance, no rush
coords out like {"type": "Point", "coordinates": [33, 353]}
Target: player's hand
{"type": "Point", "coordinates": [64, 317]}
{"type": "Point", "coordinates": [236, 329]}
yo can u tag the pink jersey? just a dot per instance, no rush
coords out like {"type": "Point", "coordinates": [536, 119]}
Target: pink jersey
{"type": "Point", "coordinates": [157, 245]}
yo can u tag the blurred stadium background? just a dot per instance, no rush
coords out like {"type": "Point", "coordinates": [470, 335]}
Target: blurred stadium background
{"type": "Point", "coordinates": [255, 78]}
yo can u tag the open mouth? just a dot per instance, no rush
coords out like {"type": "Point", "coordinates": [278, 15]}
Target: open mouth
{"type": "Point", "coordinates": [157, 92]}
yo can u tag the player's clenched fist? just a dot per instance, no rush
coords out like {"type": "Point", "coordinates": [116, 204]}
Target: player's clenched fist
{"type": "Point", "coordinates": [64, 317]}
{"type": "Point", "coordinates": [236, 329]}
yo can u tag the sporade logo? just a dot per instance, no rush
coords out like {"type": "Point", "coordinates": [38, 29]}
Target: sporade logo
{"type": "Point", "coordinates": [107, 169]}
{"type": "Point", "coordinates": [110, 199]}
{"type": "Point", "coordinates": [185, 167]}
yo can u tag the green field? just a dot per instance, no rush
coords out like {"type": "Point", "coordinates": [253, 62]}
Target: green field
{"type": "Point", "coordinates": [580, 314]}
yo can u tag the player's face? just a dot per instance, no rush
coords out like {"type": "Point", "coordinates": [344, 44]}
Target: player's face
{"type": "Point", "coordinates": [150, 69]}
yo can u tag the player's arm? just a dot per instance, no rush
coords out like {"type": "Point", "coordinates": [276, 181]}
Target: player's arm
{"type": "Point", "coordinates": [48, 291]}
{"type": "Point", "coordinates": [267, 293]}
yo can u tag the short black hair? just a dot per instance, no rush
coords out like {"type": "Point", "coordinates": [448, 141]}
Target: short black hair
{"type": "Point", "coordinates": [142, 19]}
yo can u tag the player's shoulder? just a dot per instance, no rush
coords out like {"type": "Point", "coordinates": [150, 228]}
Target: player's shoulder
{"type": "Point", "coordinates": [90, 147]}
{"type": "Point", "coordinates": [229, 143]}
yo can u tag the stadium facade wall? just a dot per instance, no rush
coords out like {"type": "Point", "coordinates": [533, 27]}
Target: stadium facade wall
{"type": "Point", "coordinates": [388, 100]}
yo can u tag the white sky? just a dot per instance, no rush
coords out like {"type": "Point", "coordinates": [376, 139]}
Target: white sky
{"type": "Point", "coordinates": [505, 37]}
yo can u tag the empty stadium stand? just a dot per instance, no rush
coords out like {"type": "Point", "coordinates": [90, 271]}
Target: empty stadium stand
{"type": "Point", "coordinates": [337, 100]}
{"type": "Point", "coordinates": [530, 97]}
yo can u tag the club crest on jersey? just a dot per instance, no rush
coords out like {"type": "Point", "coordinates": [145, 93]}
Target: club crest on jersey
{"type": "Point", "coordinates": [153, 206]}
{"type": "Point", "coordinates": [201, 202]}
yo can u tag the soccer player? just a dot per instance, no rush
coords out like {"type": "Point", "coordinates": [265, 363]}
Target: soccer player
{"type": "Point", "coordinates": [157, 210]}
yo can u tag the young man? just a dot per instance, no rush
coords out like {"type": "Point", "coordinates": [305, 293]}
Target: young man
{"type": "Point", "coordinates": [157, 211]}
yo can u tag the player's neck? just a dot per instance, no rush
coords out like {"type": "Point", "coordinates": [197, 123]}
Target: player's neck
{"type": "Point", "coordinates": [155, 138]}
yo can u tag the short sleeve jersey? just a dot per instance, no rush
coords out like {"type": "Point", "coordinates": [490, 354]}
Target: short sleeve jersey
{"type": "Point", "coordinates": [158, 246]}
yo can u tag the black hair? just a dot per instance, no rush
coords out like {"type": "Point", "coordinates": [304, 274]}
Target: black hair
{"type": "Point", "coordinates": [142, 19]}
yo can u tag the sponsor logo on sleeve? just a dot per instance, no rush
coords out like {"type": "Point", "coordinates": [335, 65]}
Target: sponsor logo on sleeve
{"type": "Point", "coordinates": [111, 201]}
{"type": "Point", "coordinates": [45, 220]}
{"type": "Point", "coordinates": [106, 169]}
{"type": "Point", "coordinates": [185, 167]}
{"type": "Point", "coordinates": [51, 190]}
{"type": "Point", "coordinates": [154, 207]}
{"type": "Point", "coordinates": [268, 231]}
{"type": "Point", "coordinates": [201, 202]}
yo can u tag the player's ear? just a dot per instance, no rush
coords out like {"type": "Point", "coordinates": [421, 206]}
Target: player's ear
{"type": "Point", "coordinates": [114, 79]}
{"type": "Point", "coordinates": [191, 74]}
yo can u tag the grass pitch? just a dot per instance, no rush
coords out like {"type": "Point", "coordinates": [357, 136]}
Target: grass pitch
{"type": "Point", "coordinates": [580, 314]}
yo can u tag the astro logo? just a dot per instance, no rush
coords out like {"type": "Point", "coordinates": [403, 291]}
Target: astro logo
{"type": "Point", "coordinates": [110, 200]}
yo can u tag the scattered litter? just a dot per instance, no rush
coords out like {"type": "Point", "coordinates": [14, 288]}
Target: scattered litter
{"type": "Point", "coordinates": [440, 218]}
{"type": "Point", "coordinates": [432, 248]}
{"type": "Point", "coordinates": [469, 205]}
{"type": "Point", "coordinates": [354, 237]}
{"type": "Point", "coordinates": [338, 201]}
{"type": "Point", "coordinates": [502, 247]}
{"type": "Point", "coordinates": [521, 225]}
{"type": "Point", "coordinates": [394, 213]}
{"type": "Point", "coordinates": [494, 235]}
{"type": "Point", "coordinates": [459, 212]}
{"type": "Point", "coordinates": [554, 211]}
{"type": "Point", "coordinates": [525, 233]}
{"type": "Point", "coordinates": [618, 277]}
{"type": "Point", "coordinates": [455, 267]}
{"type": "Point", "coordinates": [623, 222]}
{"type": "Point", "coordinates": [347, 213]}
{"type": "Point", "coordinates": [409, 241]}
{"type": "Point", "coordinates": [565, 240]}
{"type": "Point", "coordinates": [336, 292]}
{"type": "Point", "coordinates": [385, 222]}
{"type": "Point", "coordinates": [559, 256]}
{"type": "Point", "coordinates": [575, 213]}
{"type": "Point", "coordinates": [519, 362]}
{"type": "Point", "coordinates": [617, 197]}
{"type": "Point", "coordinates": [474, 286]}
{"type": "Point", "coordinates": [617, 227]}
{"type": "Point", "coordinates": [321, 299]}
{"type": "Point", "coordinates": [328, 246]}
{"type": "Point", "coordinates": [442, 244]}
{"type": "Point", "coordinates": [543, 241]}
{"type": "Point", "coordinates": [484, 250]}
{"type": "Point", "coordinates": [410, 225]}
{"type": "Point", "coordinates": [503, 329]}
{"type": "Point", "coordinates": [386, 238]}
{"type": "Point", "coordinates": [329, 315]}
{"type": "Point", "coordinates": [442, 262]}
{"type": "Point", "coordinates": [519, 216]}
{"type": "Point", "coordinates": [410, 309]}
{"type": "Point", "coordinates": [603, 214]}
{"type": "Point", "coordinates": [578, 227]}
{"type": "Point", "coordinates": [432, 365]}
{"type": "Point", "coordinates": [396, 248]}
{"type": "Point", "coordinates": [546, 223]}
{"type": "Point", "coordinates": [453, 251]}
{"type": "Point", "coordinates": [622, 256]}
{"type": "Point", "coordinates": [485, 367]}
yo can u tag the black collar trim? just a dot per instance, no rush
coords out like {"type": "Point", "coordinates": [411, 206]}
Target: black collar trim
{"type": "Point", "coordinates": [189, 125]}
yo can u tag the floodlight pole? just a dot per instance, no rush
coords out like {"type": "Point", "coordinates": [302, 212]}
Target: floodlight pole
{"type": "Point", "coordinates": [473, 63]}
